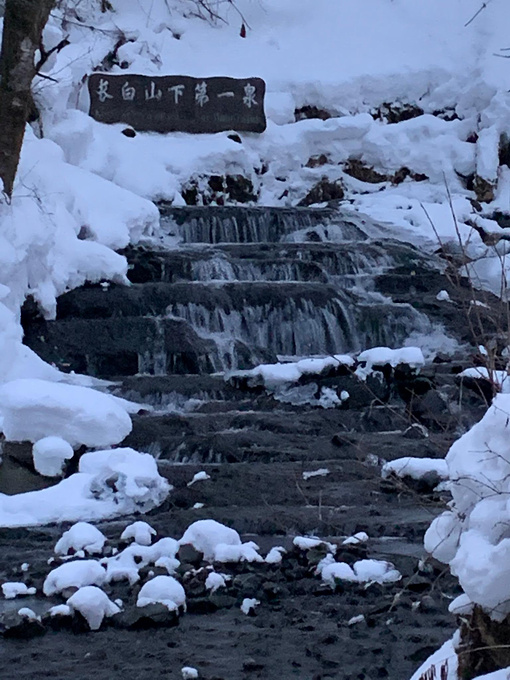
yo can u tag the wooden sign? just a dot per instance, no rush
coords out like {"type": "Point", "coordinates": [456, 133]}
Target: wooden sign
{"type": "Point", "coordinates": [178, 103]}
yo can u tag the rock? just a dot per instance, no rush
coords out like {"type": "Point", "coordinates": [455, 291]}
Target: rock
{"type": "Point", "coordinates": [364, 173]}
{"type": "Point", "coordinates": [396, 112]}
{"type": "Point", "coordinates": [188, 554]}
{"type": "Point", "coordinates": [140, 618]}
{"type": "Point", "coordinates": [307, 112]}
{"type": "Point", "coordinates": [128, 132]}
{"type": "Point", "coordinates": [484, 190]}
{"type": "Point", "coordinates": [325, 190]}
{"type": "Point", "coordinates": [13, 625]}
{"type": "Point", "coordinates": [317, 161]}
{"type": "Point", "coordinates": [222, 601]}
{"type": "Point", "coordinates": [250, 664]}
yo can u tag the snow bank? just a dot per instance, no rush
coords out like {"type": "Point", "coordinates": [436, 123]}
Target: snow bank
{"type": "Point", "coordinates": [472, 535]}
{"type": "Point", "coordinates": [33, 409]}
{"type": "Point", "coordinates": [93, 604]}
{"type": "Point", "coordinates": [108, 484]}
{"type": "Point", "coordinates": [81, 536]}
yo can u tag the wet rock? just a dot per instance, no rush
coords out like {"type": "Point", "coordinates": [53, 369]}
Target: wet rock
{"type": "Point", "coordinates": [190, 555]}
{"type": "Point", "coordinates": [222, 601]}
{"type": "Point", "coordinates": [141, 618]}
{"type": "Point", "coordinates": [250, 665]}
{"type": "Point", "coordinates": [307, 112]}
{"type": "Point", "coordinates": [14, 625]}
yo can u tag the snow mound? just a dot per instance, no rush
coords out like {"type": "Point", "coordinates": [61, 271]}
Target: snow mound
{"type": "Point", "coordinates": [93, 604]}
{"type": "Point", "coordinates": [246, 552]}
{"type": "Point", "coordinates": [50, 455]}
{"type": "Point", "coordinates": [275, 555]}
{"type": "Point", "coordinates": [15, 589]}
{"type": "Point", "coordinates": [33, 409]}
{"type": "Point", "coordinates": [81, 536]}
{"type": "Point", "coordinates": [306, 542]}
{"type": "Point", "coordinates": [163, 589]}
{"type": "Point", "coordinates": [206, 534]}
{"type": "Point", "coordinates": [248, 605]}
{"type": "Point", "coordinates": [215, 581]}
{"type": "Point", "coordinates": [362, 571]}
{"type": "Point", "coordinates": [140, 532]}
{"type": "Point", "coordinates": [74, 575]}
{"type": "Point", "coordinates": [472, 536]}
{"type": "Point", "coordinates": [127, 564]}
{"type": "Point", "coordinates": [109, 483]}
{"type": "Point", "coordinates": [382, 356]}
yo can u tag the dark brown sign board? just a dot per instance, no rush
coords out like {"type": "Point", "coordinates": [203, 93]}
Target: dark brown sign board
{"type": "Point", "coordinates": [178, 103]}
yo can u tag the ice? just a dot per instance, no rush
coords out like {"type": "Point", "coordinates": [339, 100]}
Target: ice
{"type": "Point", "coordinates": [34, 409]}
{"type": "Point", "coordinates": [140, 532]}
{"type": "Point", "coordinates": [93, 604]}
{"type": "Point", "coordinates": [50, 455]}
{"type": "Point", "coordinates": [206, 534]}
{"type": "Point", "coordinates": [163, 589]}
{"type": "Point", "coordinates": [81, 536]}
{"type": "Point", "coordinates": [14, 589]}
{"type": "Point", "coordinates": [74, 575]}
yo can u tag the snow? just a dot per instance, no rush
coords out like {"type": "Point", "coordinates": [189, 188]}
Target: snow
{"type": "Point", "coordinates": [189, 673]}
{"type": "Point", "coordinates": [248, 605]}
{"type": "Point", "coordinates": [499, 378]}
{"type": "Point", "coordinates": [81, 536]}
{"type": "Point", "coordinates": [163, 589]}
{"type": "Point", "coordinates": [28, 613]}
{"type": "Point", "coordinates": [356, 539]}
{"type": "Point", "coordinates": [443, 296]}
{"type": "Point", "coordinates": [13, 589]}
{"type": "Point", "coordinates": [215, 581]}
{"type": "Point", "coordinates": [362, 571]}
{"type": "Point", "coordinates": [416, 468]}
{"type": "Point", "coordinates": [206, 534]}
{"type": "Point", "coordinates": [127, 564]}
{"type": "Point", "coordinates": [140, 532]}
{"type": "Point", "coordinates": [33, 409]}
{"type": "Point", "coordinates": [461, 605]}
{"type": "Point", "coordinates": [60, 610]}
{"type": "Point", "coordinates": [275, 555]}
{"type": "Point", "coordinates": [321, 472]}
{"type": "Point", "coordinates": [246, 552]}
{"type": "Point", "coordinates": [93, 604]}
{"type": "Point", "coordinates": [381, 356]}
{"type": "Point", "coordinates": [471, 536]}
{"type": "Point", "coordinates": [74, 575]}
{"type": "Point", "coordinates": [306, 542]}
{"type": "Point", "coordinates": [274, 375]}
{"type": "Point", "coordinates": [199, 477]}
{"type": "Point", "coordinates": [50, 455]}
{"type": "Point", "coordinates": [444, 657]}
{"type": "Point", "coordinates": [108, 484]}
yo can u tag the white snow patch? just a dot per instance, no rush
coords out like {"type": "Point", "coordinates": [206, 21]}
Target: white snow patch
{"type": "Point", "coordinates": [356, 539]}
{"type": "Point", "coordinates": [189, 673]}
{"type": "Point", "coordinates": [248, 605]}
{"type": "Point", "coordinates": [199, 477]}
{"type": "Point", "coordinates": [321, 472]}
{"type": "Point", "coordinates": [416, 468]}
{"type": "Point", "coordinates": [14, 589]}
{"type": "Point", "coordinates": [215, 581]}
{"type": "Point", "coordinates": [275, 555]}
{"type": "Point", "coordinates": [306, 542]}
{"type": "Point", "coordinates": [206, 534]}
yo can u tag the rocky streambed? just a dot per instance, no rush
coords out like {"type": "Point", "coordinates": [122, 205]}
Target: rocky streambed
{"type": "Point", "coordinates": [220, 291]}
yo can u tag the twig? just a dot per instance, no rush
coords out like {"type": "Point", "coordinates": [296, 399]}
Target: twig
{"type": "Point", "coordinates": [484, 5]}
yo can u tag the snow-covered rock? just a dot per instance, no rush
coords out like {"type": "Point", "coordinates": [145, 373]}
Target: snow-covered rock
{"type": "Point", "coordinates": [50, 455]}
{"type": "Point", "coordinates": [14, 589]}
{"type": "Point", "coordinates": [416, 468]}
{"type": "Point", "coordinates": [74, 574]}
{"type": "Point", "coordinates": [93, 604]}
{"type": "Point", "coordinates": [163, 589]}
{"type": "Point", "coordinates": [81, 536]}
{"type": "Point", "coordinates": [139, 532]}
{"type": "Point", "coordinates": [206, 534]}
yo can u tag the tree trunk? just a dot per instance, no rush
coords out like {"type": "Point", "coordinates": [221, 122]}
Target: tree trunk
{"type": "Point", "coordinates": [24, 21]}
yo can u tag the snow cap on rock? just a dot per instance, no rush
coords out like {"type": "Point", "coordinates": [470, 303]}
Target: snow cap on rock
{"type": "Point", "coordinates": [50, 455]}
{"type": "Point", "coordinates": [93, 604]}
{"type": "Point", "coordinates": [140, 532]}
{"type": "Point", "coordinates": [81, 536]}
{"type": "Point", "coordinates": [163, 589]}
{"type": "Point", "coordinates": [74, 575]}
{"type": "Point", "coordinates": [206, 534]}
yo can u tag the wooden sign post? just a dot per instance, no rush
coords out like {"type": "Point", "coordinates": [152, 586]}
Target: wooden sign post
{"type": "Point", "coordinates": [178, 103]}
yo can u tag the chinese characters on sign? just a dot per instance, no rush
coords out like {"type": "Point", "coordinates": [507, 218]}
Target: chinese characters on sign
{"type": "Point", "coordinates": [178, 103]}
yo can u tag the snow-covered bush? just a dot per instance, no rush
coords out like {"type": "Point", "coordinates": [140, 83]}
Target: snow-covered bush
{"type": "Point", "coordinates": [473, 536]}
